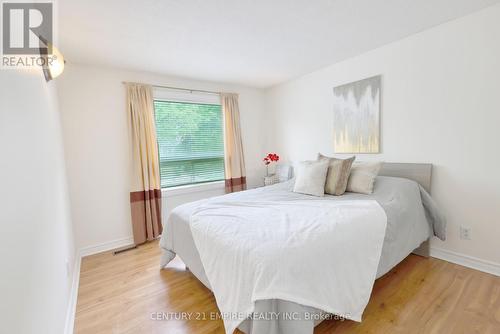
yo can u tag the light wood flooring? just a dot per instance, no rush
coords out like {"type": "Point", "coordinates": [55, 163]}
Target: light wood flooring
{"type": "Point", "coordinates": [121, 294]}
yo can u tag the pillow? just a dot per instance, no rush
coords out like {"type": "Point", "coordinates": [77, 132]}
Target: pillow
{"type": "Point", "coordinates": [311, 177]}
{"type": "Point", "coordinates": [284, 172]}
{"type": "Point", "coordinates": [338, 174]}
{"type": "Point", "coordinates": [363, 176]}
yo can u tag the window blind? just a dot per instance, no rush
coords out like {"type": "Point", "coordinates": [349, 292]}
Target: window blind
{"type": "Point", "coordinates": [190, 142]}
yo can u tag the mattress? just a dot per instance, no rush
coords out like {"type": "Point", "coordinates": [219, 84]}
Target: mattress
{"type": "Point", "coordinates": [411, 220]}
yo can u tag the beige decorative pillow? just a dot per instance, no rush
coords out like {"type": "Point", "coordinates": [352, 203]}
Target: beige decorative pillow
{"type": "Point", "coordinates": [310, 177]}
{"type": "Point", "coordinates": [338, 174]}
{"type": "Point", "coordinates": [363, 176]}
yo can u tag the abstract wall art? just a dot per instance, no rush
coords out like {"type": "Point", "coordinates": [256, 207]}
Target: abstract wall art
{"type": "Point", "coordinates": [356, 114]}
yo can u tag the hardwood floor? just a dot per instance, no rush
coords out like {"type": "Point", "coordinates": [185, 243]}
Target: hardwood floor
{"type": "Point", "coordinates": [123, 293]}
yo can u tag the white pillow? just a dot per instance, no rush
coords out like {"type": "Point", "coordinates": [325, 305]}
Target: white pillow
{"type": "Point", "coordinates": [362, 177]}
{"type": "Point", "coordinates": [284, 171]}
{"type": "Point", "coordinates": [311, 177]}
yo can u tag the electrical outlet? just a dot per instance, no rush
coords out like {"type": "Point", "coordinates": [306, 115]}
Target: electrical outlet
{"type": "Point", "coordinates": [465, 233]}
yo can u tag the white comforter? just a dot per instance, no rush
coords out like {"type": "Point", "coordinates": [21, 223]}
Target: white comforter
{"type": "Point", "coordinates": [317, 253]}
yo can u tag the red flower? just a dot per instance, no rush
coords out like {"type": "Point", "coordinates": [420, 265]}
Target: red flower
{"type": "Point", "coordinates": [271, 157]}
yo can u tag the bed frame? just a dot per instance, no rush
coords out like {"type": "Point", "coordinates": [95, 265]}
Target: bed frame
{"type": "Point", "coordinates": [421, 173]}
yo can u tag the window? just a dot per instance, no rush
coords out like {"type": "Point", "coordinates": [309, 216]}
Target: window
{"type": "Point", "coordinates": [190, 142]}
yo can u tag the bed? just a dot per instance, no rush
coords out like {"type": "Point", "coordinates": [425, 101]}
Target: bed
{"type": "Point", "coordinates": [411, 219]}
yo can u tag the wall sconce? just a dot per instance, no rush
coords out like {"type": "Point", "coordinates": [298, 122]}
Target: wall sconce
{"type": "Point", "coordinates": [53, 63]}
{"type": "Point", "coordinates": [54, 66]}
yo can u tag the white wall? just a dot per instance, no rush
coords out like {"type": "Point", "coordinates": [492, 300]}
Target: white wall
{"type": "Point", "coordinates": [96, 139]}
{"type": "Point", "coordinates": [440, 105]}
{"type": "Point", "coordinates": [36, 239]}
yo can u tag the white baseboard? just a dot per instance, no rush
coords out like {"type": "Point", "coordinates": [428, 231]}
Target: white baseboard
{"type": "Point", "coordinates": [106, 246]}
{"type": "Point", "coordinates": [466, 261]}
{"type": "Point", "coordinates": [73, 296]}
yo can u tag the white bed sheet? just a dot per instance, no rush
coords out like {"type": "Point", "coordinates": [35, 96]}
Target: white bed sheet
{"type": "Point", "coordinates": [407, 227]}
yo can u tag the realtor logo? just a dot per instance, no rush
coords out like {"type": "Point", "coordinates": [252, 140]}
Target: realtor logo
{"type": "Point", "coordinates": [27, 28]}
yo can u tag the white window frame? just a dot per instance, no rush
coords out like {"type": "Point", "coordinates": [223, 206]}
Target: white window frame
{"type": "Point", "coordinates": [175, 95]}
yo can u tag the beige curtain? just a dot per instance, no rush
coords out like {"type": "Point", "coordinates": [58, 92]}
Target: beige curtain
{"type": "Point", "coordinates": [234, 161]}
{"type": "Point", "coordinates": [145, 195]}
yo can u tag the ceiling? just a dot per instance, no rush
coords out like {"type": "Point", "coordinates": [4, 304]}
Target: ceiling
{"type": "Point", "coordinates": [257, 43]}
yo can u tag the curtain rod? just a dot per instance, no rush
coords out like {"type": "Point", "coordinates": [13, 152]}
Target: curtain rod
{"type": "Point", "coordinates": [177, 88]}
